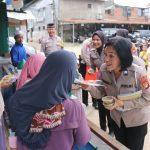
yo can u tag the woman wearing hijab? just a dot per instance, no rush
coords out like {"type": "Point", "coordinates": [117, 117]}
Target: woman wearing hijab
{"type": "Point", "coordinates": [41, 113]}
{"type": "Point", "coordinates": [2, 128]}
{"type": "Point", "coordinates": [97, 58]}
{"type": "Point", "coordinates": [127, 85]}
{"type": "Point", "coordinates": [96, 52]}
{"type": "Point", "coordinates": [30, 69]}
{"type": "Point", "coordinates": [123, 33]}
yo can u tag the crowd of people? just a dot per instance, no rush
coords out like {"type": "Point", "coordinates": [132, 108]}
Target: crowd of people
{"type": "Point", "coordinates": [47, 103]}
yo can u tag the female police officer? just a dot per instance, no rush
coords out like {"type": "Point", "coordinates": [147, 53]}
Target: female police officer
{"type": "Point", "coordinates": [121, 76]}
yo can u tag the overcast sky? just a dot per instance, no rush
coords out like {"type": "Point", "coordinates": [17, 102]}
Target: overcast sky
{"type": "Point", "coordinates": [133, 3]}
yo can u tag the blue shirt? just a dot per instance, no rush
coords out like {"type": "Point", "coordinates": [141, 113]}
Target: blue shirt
{"type": "Point", "coordinates": [18, 53]}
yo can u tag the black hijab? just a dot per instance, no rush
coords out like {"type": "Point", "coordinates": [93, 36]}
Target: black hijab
{"type": "Point", "coordinates": [122, 32]}
{"type": "Point", "coordinates": [101, 35]}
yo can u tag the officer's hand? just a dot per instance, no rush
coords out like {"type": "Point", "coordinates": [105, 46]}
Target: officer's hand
{"type": "Point", "coordinates": [118, 103]}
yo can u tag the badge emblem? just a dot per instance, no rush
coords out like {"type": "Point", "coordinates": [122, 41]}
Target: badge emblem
{"type": "Point", "coordinates": [144, 82]}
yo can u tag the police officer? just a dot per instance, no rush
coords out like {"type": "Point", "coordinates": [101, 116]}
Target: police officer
{"type": "Point", "coordinates": [85, 62]}
{"type": "Point", "coordinates": [121, 76]}
{"type": "Point", "coordinates": [52, 42]}
{"type": "Point", "coordinates": [96, 52]}
{"type": "Point", "coordinates": [93, 54]}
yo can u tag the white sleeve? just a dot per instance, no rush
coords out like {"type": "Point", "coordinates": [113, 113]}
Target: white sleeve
{"type": "Point", "coordinates": [85, 54]}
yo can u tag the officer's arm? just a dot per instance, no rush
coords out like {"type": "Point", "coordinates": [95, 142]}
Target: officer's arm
{"type": "Point", "coordinates": [85, 54]}
{"type": "Point", "coordinates": [43, 47]}
{"type": "Point", "coordinates": [96, 92]}
{"type": "Point", "coordinates": [92, 65]}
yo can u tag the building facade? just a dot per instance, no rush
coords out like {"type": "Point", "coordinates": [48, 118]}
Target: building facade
{"type": "Point", "coordinates": [82, 9]}
{"type": "Point", "coordinates": [77, 16]}
{"type": "Point", "coordinates": [125, 15]}
{"type": "Point", "coordinates": [78, 19]}
{"type": "Point", "coordinates": [43, 11]}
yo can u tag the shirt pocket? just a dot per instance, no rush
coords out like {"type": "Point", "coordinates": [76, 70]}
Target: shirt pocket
{"type": "Point", "coordinates": [48, 44]}
{"type": "Point", "coordinates": [110, 89]}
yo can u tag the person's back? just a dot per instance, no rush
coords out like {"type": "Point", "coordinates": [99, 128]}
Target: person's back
{"type": "Point", "coordinates": [73, 130]}
{"type": "Point", "coordinates": [85, 51]}
{"type": "Point", "coordinates": [36, 118]}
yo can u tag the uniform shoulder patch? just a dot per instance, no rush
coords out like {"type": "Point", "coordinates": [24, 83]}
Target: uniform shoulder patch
{"type": "Point", "coordinates": [144, 82]}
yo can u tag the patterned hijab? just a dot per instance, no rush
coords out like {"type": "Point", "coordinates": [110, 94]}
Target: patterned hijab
{"type": "Point", "coordinates": [47, 89]}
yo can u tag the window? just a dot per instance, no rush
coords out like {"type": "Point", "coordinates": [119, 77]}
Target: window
{"type": "Point", "coordinates": [140, 12]}
{"type": "Point", "coordinates": [108, 11]}
{"type": "Point", "coordinates": [147, 11]}
{"type": "Point", "coordinates": [126, 11]}
{"type": "Point", "coordinates": [89, 6]}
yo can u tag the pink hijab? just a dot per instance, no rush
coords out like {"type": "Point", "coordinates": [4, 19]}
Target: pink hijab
{"type": "Point", "coordinates": [30, 69]}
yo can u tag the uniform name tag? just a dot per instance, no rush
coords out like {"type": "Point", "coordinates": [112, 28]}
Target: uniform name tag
{"type": "Point", "coordinates": [127, 86]}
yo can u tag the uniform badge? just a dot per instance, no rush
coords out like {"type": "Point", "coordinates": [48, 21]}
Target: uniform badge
{"type": "Point", "coordinates": [125, 73]}
{"type": "Point", "coordinates": [144, 82]}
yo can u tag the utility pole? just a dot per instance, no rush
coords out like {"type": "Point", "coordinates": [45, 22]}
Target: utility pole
{"type": "Point", "coordinates": [55, 18]}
